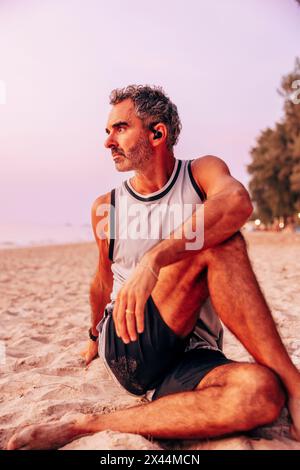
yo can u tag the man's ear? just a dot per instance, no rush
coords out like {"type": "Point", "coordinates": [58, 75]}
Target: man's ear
{"type": "Point", "coordinates": [158, 134]}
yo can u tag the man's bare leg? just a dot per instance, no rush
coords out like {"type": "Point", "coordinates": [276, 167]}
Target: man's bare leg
{"type": "Point", "coordinates": [240, 304]}
{"type": "Point", "coordinates": [237, 299]}
{"type": "Point", "coordinates": [243, 309]}
{"type": "Point", "coordinates": [234, 398]}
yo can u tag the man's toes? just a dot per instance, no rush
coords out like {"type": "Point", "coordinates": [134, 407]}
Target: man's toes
{"type": "Point", "coordinates": [23, 438]}
{"type": "Point", "coordinates": [11, 445]}
{"type": "Point", "coordinates": [16, 442]}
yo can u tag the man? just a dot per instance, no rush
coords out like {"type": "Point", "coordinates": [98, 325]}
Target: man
{"type": "Point", "coordinates": [162, 297]}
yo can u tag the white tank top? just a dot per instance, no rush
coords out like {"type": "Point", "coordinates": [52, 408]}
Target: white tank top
{"type": "Point", "coordinates": [132, 236]}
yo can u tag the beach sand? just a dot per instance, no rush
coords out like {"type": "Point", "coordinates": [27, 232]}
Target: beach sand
{"type": "Point", "coordinates": [44, 320]}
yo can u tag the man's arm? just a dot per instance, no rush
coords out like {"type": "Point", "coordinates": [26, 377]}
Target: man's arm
{"type": "Point", "coordinates": [226, 209]}
{"type": "Point", "coordinates": [102, 282]}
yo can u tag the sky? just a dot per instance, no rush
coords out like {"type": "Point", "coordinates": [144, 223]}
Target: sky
{"type": "Point", "coordinates": [219, 62]}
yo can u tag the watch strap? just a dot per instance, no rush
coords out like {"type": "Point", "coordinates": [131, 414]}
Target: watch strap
{"type": "Point", "coordinates": [91, 336]}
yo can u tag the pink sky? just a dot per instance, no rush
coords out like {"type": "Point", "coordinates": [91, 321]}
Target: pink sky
{"type": "Point", "coordinates": [220, 62]}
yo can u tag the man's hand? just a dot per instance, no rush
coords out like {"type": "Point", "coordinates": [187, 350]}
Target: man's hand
{"type": "Point", "coordinates": [128, 313]}
{"type": "Point", "coordinates": [90, 352]}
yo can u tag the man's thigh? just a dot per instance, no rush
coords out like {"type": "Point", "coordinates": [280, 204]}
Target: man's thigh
{"type": "Point", "coordinates": [182, 287]}
{"type": "Point", "coordinates": [139, 365]}
{"type": "Point", "coordinates": [180, 293]}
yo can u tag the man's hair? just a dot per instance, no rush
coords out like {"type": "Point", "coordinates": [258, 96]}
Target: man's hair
{"type": "Point", "coordinates": [152, 106]}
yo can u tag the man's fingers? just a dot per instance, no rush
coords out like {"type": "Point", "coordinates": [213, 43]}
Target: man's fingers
{"type": "Point", "coordinates": [90, 352]}
{"type": "Point", "coordinates": [140, 315]}
{"type": "Point", "coordinates": [121, 320]}
{"type": "Point", "coordinates": [130, 319]}
{"type": "Point", "coordinates": [86, 357]}
{"type": "Point", "coordinates": [89, 358]}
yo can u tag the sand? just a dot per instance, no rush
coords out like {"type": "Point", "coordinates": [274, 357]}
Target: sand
{"type": "Point", "coordinates": [44, 321]}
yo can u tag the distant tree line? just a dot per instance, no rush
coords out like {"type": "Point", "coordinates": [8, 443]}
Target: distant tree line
{"type": "Point", "coordinates": [275, 165]}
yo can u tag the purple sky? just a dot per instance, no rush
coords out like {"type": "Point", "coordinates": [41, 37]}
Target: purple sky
{"type": "Point", "coordinates": [220, 62]}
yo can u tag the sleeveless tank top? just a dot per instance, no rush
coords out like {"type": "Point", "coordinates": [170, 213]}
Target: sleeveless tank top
{"type": "Point", "coordinates": [140, 221]}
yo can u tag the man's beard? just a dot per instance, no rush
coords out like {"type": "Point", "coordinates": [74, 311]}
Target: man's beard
{"type": "Point", "coordinates": [138, 155]}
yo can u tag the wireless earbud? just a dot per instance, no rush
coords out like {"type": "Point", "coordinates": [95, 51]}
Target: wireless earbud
{"type": "Point", "coordinates": [157, 135]}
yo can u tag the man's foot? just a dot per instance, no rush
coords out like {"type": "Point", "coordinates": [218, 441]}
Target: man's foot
{"type": "Point", "coordinates": [294, 409]}
{"type": "Point", "coordinates": [47, 436]}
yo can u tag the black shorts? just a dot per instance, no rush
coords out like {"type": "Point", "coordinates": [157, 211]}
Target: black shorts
{"type": "Point", "coordinates": [157, 360]}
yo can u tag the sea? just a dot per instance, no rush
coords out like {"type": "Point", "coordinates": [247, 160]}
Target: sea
{"type": "Point", "coordinates": [17, 235]}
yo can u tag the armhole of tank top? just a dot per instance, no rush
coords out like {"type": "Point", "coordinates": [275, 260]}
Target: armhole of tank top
{"type": "Point", "coordinates": [112, 225]}
{"type": "Point", "coordinates": [196, 186]}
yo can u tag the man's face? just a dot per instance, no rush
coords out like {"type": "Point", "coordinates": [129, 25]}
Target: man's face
{"type": "Point", "coordinates": [127, 139]}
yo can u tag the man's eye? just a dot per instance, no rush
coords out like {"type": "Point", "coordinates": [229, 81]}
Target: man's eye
{"type": "Point", "coordinates": [121, 129]}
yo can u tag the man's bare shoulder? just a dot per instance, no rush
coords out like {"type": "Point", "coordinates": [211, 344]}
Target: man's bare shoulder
{"type": "Point", "coordinates": [99, 213]}
{"type": "Point", "coordinates": [212, 174]}
{"type": "Point", "coordinates": [209, 163]}
{"type": "Point", "coordinates": [102, 199]}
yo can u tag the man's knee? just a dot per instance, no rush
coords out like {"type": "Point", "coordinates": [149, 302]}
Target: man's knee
{"type": "Point", "coordinates": [265, 392]}
{"type": "Point", "coordinates": [234, 245]}
{"type": "Point", "coordinates": [237, 239]}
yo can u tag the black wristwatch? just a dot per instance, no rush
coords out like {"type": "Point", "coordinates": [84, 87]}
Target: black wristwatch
{"type": "Point", "coordinates": [92, 337]}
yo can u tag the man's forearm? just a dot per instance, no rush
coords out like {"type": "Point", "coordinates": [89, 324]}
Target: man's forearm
{"type": "Point", "coordinates": [220, 217]}
{"type": "Point", "coordinates": [99, 298]}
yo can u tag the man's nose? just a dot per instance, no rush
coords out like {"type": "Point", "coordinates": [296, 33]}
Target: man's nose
{"type": "Point", "coordinates": [110, 142]}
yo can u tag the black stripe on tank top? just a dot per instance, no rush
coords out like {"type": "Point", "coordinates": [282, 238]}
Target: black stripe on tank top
{"type": "Point", "coordinates": [197, 188]}
{"type": "Point", "coordinates": [157, 196]}
{"type": "Point", "coordinates": [112, 225]}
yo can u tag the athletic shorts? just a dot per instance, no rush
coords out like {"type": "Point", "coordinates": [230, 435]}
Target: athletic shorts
{"type": "Point", "coordinates": [157, 361]}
